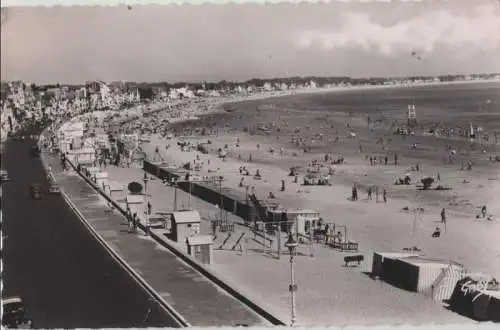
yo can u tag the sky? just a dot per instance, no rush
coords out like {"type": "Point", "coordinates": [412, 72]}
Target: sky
{"type": "Point", "coordinates": [237, 42]}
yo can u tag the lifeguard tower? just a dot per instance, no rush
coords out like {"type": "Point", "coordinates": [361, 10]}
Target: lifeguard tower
{"type": "Point", "coordinates": [412, 115]}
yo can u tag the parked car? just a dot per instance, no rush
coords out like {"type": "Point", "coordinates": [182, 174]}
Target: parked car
{"type": "Point", "coordinates": [4, 176]}
{"type": "Point", "coordinates": [36, 191]}
{"type": "Point", "coordinates": [14, 314]}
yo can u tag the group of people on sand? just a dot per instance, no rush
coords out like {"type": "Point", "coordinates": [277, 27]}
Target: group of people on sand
{"type": "Point", "coordinates": [355, 197]}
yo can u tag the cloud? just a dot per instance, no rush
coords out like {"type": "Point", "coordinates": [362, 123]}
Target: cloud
{"type": "Point", "coordinates": [481, 31]}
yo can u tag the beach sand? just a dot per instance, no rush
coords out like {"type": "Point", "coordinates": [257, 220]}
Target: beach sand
{"type": "Point", "coordinates": [376, 226]}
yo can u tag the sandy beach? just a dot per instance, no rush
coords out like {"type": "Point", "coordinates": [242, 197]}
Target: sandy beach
{"type": "Point", "coordinates": [468, 240]}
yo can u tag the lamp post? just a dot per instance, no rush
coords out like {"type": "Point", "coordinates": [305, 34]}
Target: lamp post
{"type": "Point", "coordinates": [221, 197]}
{"type": "Point", "coordinates": [145, 180]}
{"type": "Point", "coordinates": [189, 197]}
{"type": "Point", "coordinates": [291, 244]}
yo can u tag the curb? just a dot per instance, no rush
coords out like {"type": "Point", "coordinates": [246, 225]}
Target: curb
{"type": "Point", "coordinates": [169, 309]}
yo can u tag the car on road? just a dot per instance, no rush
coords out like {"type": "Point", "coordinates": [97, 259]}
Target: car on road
{"type": "Point", "coordinates": [14, 314]}
{"type": "Point", "coordinates": [4, 176]}
{"type": "Point", "coordinates": [36, 191]}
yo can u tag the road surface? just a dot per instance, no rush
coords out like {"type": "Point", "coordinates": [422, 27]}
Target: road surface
{"type": "Point", "coordinates": [53, 262]}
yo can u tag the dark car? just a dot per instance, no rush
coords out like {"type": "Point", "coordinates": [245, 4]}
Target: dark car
{"type": "Point", "coordinates": [36, 191]}
{"type": "Point", "coordinates": [34, 151]}
{"type": "Point", "coordinates": [4, 176]}
{"type": "Point", "coordinates": [14, 314]}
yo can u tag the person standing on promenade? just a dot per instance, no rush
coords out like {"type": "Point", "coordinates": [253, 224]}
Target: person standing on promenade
{"type": "Point", "coordinates": [134, 222]}
{"type": "Point", "coordinates": [128, 214]}
{"type": "Point", "coordinates": [395, 159]}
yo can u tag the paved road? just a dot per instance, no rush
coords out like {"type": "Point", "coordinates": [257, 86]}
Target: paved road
{"type": "Point", "coordinates": [65, 276]}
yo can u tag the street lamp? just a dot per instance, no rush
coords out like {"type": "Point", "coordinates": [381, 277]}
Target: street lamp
{"type": "Point", "coordinates": [291, 244]}
{"type": "Point", "coordinates": [145, 179]}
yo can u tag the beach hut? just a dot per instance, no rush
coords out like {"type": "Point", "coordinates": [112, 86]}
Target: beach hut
{"type": "Point", "coordinates": [84, 157]}
{"type": "Point", "coordinates": [134, 203]}
{"type": "Point", "coordinates": [412, 272]}
{"type": "Point", "coordinates": [477, 299]}
{"type": "Point", "coordinates": [185, 224]}
{"type": "Point", "coordinates": [296, 220]}
{"type": "Point", "coordinates": [201, 248]}
{"type": "Point", "coordinates": [101, 179]}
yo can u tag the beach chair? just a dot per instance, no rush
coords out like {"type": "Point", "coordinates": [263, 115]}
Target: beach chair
{"type": "Point", "coordinates": [348, 246]}
{"type": "Point", "coordinates": [354, 258]}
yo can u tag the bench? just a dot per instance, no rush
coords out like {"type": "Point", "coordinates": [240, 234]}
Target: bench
{"type": "Point", "coordinates": [356, 258]}
{"type": "Point", "coordinates": [345, 246]}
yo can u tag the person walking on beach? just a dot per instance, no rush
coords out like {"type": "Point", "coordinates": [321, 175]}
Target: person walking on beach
{"type": "Point", "coordinates": [370, 193]}
{"type": "Point", "coordinates": [149, 206]}
{"type": "Point", "coordinates": [157, 155]}
{"type": "Point", "coordinates": [354, 193]}
{"type": "Point", "coordinates": [443, 218]}
{"type": "Point", "coordinates": [395, 159]}
{"type": "Point", "coordinates": [384, 195]}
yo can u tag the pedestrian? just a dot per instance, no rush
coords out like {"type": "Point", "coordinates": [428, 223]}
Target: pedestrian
{"type": "Point", "coordinates": [148, 227]}
{"type": "Point", "coordinates": [443, 218]}
{"type": "Point", "coordinates": [134, 222]}
{"type": "Point", "coordinates": [128, 213]}
{"type": "Point", "coordinates": [149, 207]}
{"type": "Point", "coordinates": [369, 193]}
{"type": "Point", "coordinates": [354, 193]}
{"type": "Point", "coordinates": [384, 195]}
{"type": "Point", "coordinates": [395, 159]}
{"type": "Point", "coordinates": [437, 232]}
{"type": "Point", "coordinates": [484, 211]}
{"type": "Point", "coordinates": [386, 159]}
{"type": "Point", "coordinates": [443, 215]}
{"type": "Point", "coordinates": [339, 237]}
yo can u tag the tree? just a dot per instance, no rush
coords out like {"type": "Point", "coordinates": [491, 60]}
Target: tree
{"type": "Point", "coordinates": [427, 182]}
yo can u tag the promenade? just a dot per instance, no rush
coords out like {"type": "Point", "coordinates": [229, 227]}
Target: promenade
{"type": "Point", "coordinates": [198, 300]}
